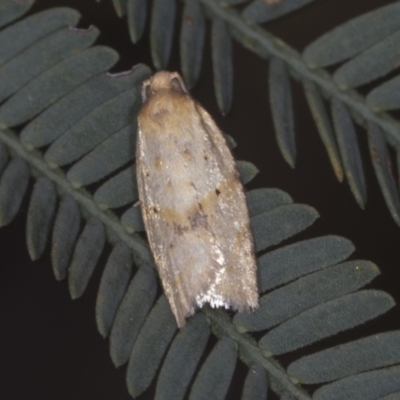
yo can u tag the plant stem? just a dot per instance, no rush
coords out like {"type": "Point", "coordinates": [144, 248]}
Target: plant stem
{"type": "Point", "coordinates": [251, 354]}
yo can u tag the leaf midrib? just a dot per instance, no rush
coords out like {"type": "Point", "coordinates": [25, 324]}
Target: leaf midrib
{"type": "Point", "coordinates": [279, 381]}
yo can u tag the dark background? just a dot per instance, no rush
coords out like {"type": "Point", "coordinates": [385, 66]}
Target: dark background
{"type": "Point", "coordinates": [49, 344]}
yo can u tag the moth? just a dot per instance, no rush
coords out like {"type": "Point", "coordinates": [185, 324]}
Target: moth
{"type": "Point", "coordinates": [193, 203]}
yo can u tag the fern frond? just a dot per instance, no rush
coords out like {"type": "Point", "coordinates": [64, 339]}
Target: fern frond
{"type": "Point", "coordinates": [86, 123]}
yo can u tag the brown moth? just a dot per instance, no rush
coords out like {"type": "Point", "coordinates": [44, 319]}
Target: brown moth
{"type": "Point", "coordinates": [193, 204]}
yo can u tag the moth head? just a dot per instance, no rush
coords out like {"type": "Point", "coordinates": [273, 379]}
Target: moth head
{"type": "Point", "coordinates": [163, 80]}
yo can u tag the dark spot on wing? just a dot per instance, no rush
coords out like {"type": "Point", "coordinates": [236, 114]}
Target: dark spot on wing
{"type": "Point", "coordinates": [180, 229]}
{"type": "Point", "coordinates": [160, 115]}
{"type": "Point", "coordinates": [217, 192]}
{"type": "Point", "coordinates": [187, 154]}
{"type": "Point", "coordinates": [197, 220]}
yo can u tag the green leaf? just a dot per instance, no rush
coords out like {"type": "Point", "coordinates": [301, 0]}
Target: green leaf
{"type": "Point", "coordinates": [132, 313]}
{"type": "Point", "coordinates": [369, 385]}
{"type": "Point", "coordinates": [280, 98]}
{"type": "Point", "coordinates": [216, 373]}
{"type": "Point", "coordinates": [380, 350]}
{"type": "Point", "coordinates": [324, 127]}
{"type": "Point", "coordinates": [113, 285]}
{"type": "Point", "coordinates": [154, 338]}
{"type": "Point", "coordinates": [192, 41]}
{"type": "Point", "coordinates": [304, 293]}
{"type": "Point", "coordinates": [263, 200]}
{"type": "Point", "coordinates": [332, 317]}
{"type": "Point", "coordinates": [162, 31]}
{"type": "Point", "coordinates": [83, 101]}
{"type": "Point", "coordinates": [137, 15]}
{"type": "Point", "coordinates": [247, 171]}
{"type": "Point", "coordinates": [222, 64]}
{"type": "Point", "coordinates": [65, 233]}
{"type": "Point", "coordinates": [350, 151]}
{"type": "Point", "coordinates": [94, 128]}
{"type": "Point", "coordinates": [86, 255]}
{"type": "Point", "coordinates": [270, 228]}
{"type": "Point", "coordinates": [256, 384]}
{"type": "Point", "coordinates": [42, 55]}
{"type": "Point", "coordinates": [182, 359]}
{"type": "Point", "coordinates": [42, 208]}
{"type": "Point", "coordinates": [259, 11]}
{"type": "Point", "coordinates": [4, 158]}
{"type": "Point", "coordinates": [234, 2]}
{"type": "Point", "coordinates": [373, 63]}
{"type": "Point", "coordinates": [385, 96]}
{"type": "Point", "coordinates": [13, 39]}
{"type": "Point", "coordinates": [230, 141]}
{"type": "Point", "coordinates": [11, 9]}
{"type": "Point", "coordinates": [120, 7]}
{"type": "Point", "coordinates": [392, 396]}
{"type": "Point", "coordinates": [353, 37]}
{"type": "Point", "coordinates": [13, 185]}
{"type": "Point", "coordinates": [132, 220]}
{"type": "Point", "coordinates": [105, 158]}
{"type": "Point", "coordinates": [118, 191]}
{"type": "Point", "coordinates": [383, 170]}
{"type": "Point", "coordinates": [56, 82]}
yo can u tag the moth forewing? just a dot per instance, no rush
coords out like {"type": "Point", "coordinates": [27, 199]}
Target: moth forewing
{"type": "Point", "coordinates": [193, 203]}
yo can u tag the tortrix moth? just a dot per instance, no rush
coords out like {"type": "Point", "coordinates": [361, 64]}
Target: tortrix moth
{"type": "Point", "coordinates": [193, 203]}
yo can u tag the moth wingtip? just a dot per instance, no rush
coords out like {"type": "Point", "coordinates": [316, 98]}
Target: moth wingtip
{"type": "Point", "coordinates": [181, 323]}
{"type": "Point", "coordinates": [247, 306]}
{"type": "Point", "coordinates": [182, 315]}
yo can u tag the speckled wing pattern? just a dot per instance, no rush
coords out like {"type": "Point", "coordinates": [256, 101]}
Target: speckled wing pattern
{"type": "Point", "coordinates": [194, 207]}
